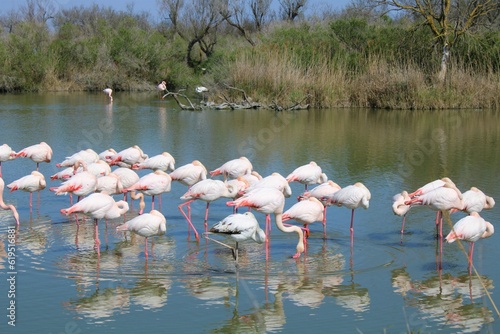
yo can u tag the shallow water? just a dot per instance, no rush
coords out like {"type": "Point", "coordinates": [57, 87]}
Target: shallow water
{"type": "Point", "coordinates": [377, 284]}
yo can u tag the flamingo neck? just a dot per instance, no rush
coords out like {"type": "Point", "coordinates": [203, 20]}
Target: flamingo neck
{"type": "Point", "coordinates": [288, 229]}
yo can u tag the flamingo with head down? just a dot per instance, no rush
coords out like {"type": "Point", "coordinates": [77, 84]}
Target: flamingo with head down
{"type": "Point", "coordinates": [5, 206]}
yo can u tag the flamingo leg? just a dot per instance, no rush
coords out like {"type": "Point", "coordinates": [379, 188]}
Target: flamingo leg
{"type": "Point", "coordinates": [188, 218]}
{"type": "Point", "coordinates": [153, 202]}
{"type": "Point", "coordinates": [205, 222]}
{"type": "Point", "coordinates": [471, 252]}
{"type": "Point", "coordinates": [402, 228]}
{"type": "Point", "coordinates": [352, 221]}
{"type": "Point", "coordinates": [146, 248]}
{"type": "Point", "coordinates": [324, 223]}
{"type": "Point", "coordinates": [96, 236]}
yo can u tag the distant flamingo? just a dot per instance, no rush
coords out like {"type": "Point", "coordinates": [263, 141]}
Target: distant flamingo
{"type": "Point", "coordinates": [208, 191]}
{"type": "Point", "coordinates": [306, 212]}
{"type": "Point", "coordinates": [38, 153]}
{"type": "Point", "coordinates": [108, 92]}
{"type": "Point", "coordinates": [162, 86]}
{"type": "Point", "coordinates": [164, 162]}
{"type": "Point", "coordinates": [475, 201]}
{"type": "Point", "coordinates": [152, 184]}
{"type": "Point", "coordinates": [239, 227]}
{"type": "Point", "coordinates": [88, 156]}
{"type": "Point", "coordinates": [307, 175]}
{"type": "Point", "coordinates": [30, 183]}
{"type": "Point", "coordinates": [98, 206]}
{"type": "Point", "coordinates": [5, 206]}
{"type": "Point", "coordinates": [189, 174]}
{"type": "Point", "coordinates": [400, 208]}
{"type": "Point", "coordinates": [270, 201]}
{"type": "Point", "coordinates": [352, 197]}
{"type": "Point", "coordinates": [444, 198]}
{"type": "Point", "coordinates": [146, 225]}
{"type": "Point", "coordinates": [80, 184]}
{"type": "Point", "coordinates": [234, 168]}
{"type": "Point", "coordinates": [471, 229]}
{"type": "Point", "coordinates": [128, 157]}
{"type": "Point", "coordinates": [6, 154]}
{"type": "Point", "coordinates": [201, 90]}
{"type": "Point", "coordinates": [321, 192]}
{"type": "Point", "coordinates": [275, 180]}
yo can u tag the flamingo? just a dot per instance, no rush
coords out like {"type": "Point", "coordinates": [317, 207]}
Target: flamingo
{"type": "Point", "coordinates": [88, 156]}
{"type": "Point", "coordinates": [475, 201]}
{"type": "Point", "coordinates": [208, 191]}
{"type": "Point", "coordinates": [127, 177]}
{"type": "Point", "coordinates": [80, 184]}
{"type": "Point", "coordinates": [146, 225]}
{"type": "Point", "coordinates": [38, 153]}
{"type": "Point", "coordinates": [239, 227]}
{"type": "Point", "coordinates": [106, 154]}
{"type": "Point", "coordinates": [234, 168]}
{"type": "Point", "coordinates": [306, 212]}
{"type": "Point", "coordinates": [162, 86]}
{"type": "Point", "coordinates": [443, 198]}
{"type": "Point", "coordinates": [352, 197]}
{"type": "Point", "coordinates": [307, 175]}
{"type": "Point", "coordinates": [164, 162]}
{"type": "Point", "coordinates": [108, 92]}
{"type": "Point", "coordinates": [98, 206]}
{"type": "Point", "coordinates": [321, 192]}
{"type": "Point", "coordinates": [109, 184]}
{"type": "Point", "coordinates": [190, 174]}
{"type": "Point", "coordinates": [252, 178]}
{"type": "Point", "coordinates": [128, 157]}
{"type": "Point", "coordinates": [275, 180]}
{"type": "Point", "coordinates": [400, 208]}
{"type": "Point", "coordinates": [64, 175]}
{"type": "Point", "coordinates": [270, 201]}
{"type": "Point", "coordinates": [30, 183]}
{"type": "Point", "coordinates": [152, 184]}
{"type": "Point", "coordinates": [201, 90]}
{"type": "Point", "coordinates": [5, 206]}
{"type": "Point", "coordinates": [6, 154]}
{"type": "Point", "coordinates": [433, 185]}
{"type": "Point", "coordinates": [99, 168]}
{"type": "Point", "coordinates": [471, 229]}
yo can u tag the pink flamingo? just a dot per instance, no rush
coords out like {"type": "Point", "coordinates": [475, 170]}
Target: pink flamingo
{"type": "Point", "coordinates": [444, 198]}
{"type": "Point", "coordinates": [208, 191]}
{"type": "Point", "coordinates": [88, 156]}
{"type": "Point", "coordinates": [152, 184]}
{"type": "Point", "coordinates": [6, 154]}
{"type": "Point", "coordinates": [252, 178]}
{"type": "Point", "coordinates": [127, 177]}
{"type": "Point", "coordinates": [162, 86]}
{"type": "Point", "coordinates": [431, 186]}
{"type": "Point", "coordinates": [352, 197]}
{"type": "Point", "coordinates": [239, 227]}
{"type": "Point", "coordinates": [64, 175]}
{"type": "Point", "coordinates": [109, 184]}
{"type": "Point", "coordinates": [475, 201]}
{"type": "Point", "coordinates": [108, 92]}
{"type": "Point", "coordinates": [98, 206]}
{"type": "Point", "coordinates": [400, 208]}
{"type": "Point", "coordinates": [321, 192]}
{"type": "Point", "coordinates": [270, 201]}
{"type": "Point", "coordinates": [164, 162]}
{"type": "Point", "coordinates": [190, 174]}
{"type": "Point", "coordinates": [471, 229]}
{"type": "Point", "coordinates": [38, 153]}
{"type": "Point", "coordinates": [5, 206]}
{"type": "Point", "coordinates": [275, 180]}
{"type": "Point", "coordinates": [30, 183]}
{"type": "Point", "coordinates": [306, 212]}
{"type": "Point", "coordinates": [234, 168]}
{"type": "Point", "coordinates": [146, 225]}
{"type": "Point", "coordinates": [107, 154]}
{"type": "Point", "coordinates": [128, 157]}
{"type": "Point", "coordinates": [80, 184]}
{"type": "Point", "coordinates": [307, 175]}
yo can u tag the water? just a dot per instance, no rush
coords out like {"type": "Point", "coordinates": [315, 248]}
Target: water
{"type": "Point", "coordinates": [378, 284]}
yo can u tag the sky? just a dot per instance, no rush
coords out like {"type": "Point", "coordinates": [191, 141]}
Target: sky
{"type": "Point", "coordinates": [151, 6]}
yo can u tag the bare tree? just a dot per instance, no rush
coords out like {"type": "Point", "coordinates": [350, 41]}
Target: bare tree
{"type": "Point", "coordinates": [290, 9]}
{"type": "Point", "coordinates": [9, 20]}
{"type": "Point", "coordinates": [448, 20]}
{"type": "Point", "coordinates": [260, 12]}
{"type": "Point", "coordinates": [39, 11]}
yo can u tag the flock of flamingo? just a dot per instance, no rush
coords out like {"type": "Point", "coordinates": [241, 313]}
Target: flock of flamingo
{"type": "Point", "coordinates": [88, 175]}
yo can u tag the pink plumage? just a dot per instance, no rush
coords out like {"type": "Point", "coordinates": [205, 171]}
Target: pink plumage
{"type": "Point", "coordinates": [307, 175]}
{"type": "Point", "coordinates": [189, 174]}
{"type": "Point", "coordinates": [234, 168]}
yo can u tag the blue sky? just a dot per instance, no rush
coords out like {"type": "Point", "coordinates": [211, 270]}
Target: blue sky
{"type": "Point", "coordinates": [151, 6]}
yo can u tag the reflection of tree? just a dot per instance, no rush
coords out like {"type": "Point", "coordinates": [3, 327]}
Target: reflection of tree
{"type": "Point", "coordinates": [441, 298]}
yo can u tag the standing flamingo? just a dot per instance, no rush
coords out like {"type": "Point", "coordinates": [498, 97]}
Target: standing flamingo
{"type": "Point", "coordinates": [322, 191]}
{"type": "Point", "coordinates": [63, 175]}
{"type": "Point", "coordinates": [80, 184]}
{"type": "Point", "coordinates": [5, 206]}
{"type": "Point", "coordinates": [306, 212]}
{"type": "Point", "coordinates": [146, 225]}
{"type": "Point", "coordinates": [107, 154]}
{"type": "Point", "coordinates": [475, 200]}
{"type": "Point", "coordinates": [252, 178]}
{"type": "Point", "coordinates": [307, 175]}
{"type": "Point", "coordinates": [471, 229]}
{"type": "Point", "coordinates": [38, 153]}
{"type": "Point", "coordinates": [234, 168]}
{"type": "Point", "coordinates": [190, 174]}
{"type": "Point", "coordinates": [98, 206]}
{"type": "Point", "coordinates": [270, 201]}
{"type": "Point", "coordinates": [239, 227]}
{"type": "Point", "coordinates": [275, 180]}
{"type": "Point", "coordinates": [6, 154]}
{"type": "Point", "coordinates": [162, 86]}
{"type": "Point", "coordinates": [152, 184]}
{"type": "Point", "coordinates": [208, 191]}
{"type": "Point", "coordinates": [400, 208]}
{"type": "Point", "coordinates": [432, 186]}
{"type": "Point", "coordinates": [352, 197]}
{"type": "Point", "coordinates": [108, 92]}
{"type": "Point", "coordinates": [109, 184]}
{"type": "Point", "coordinates": [128, 157]}
{"type": "Point", "coordinates": [30, 183]}
{"type": "Point", "coordinates": [164, 162]}
{"type": "Point", "coordinates": [127, 177]}
{"type": "Point", "coordinates": [88, 156]}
